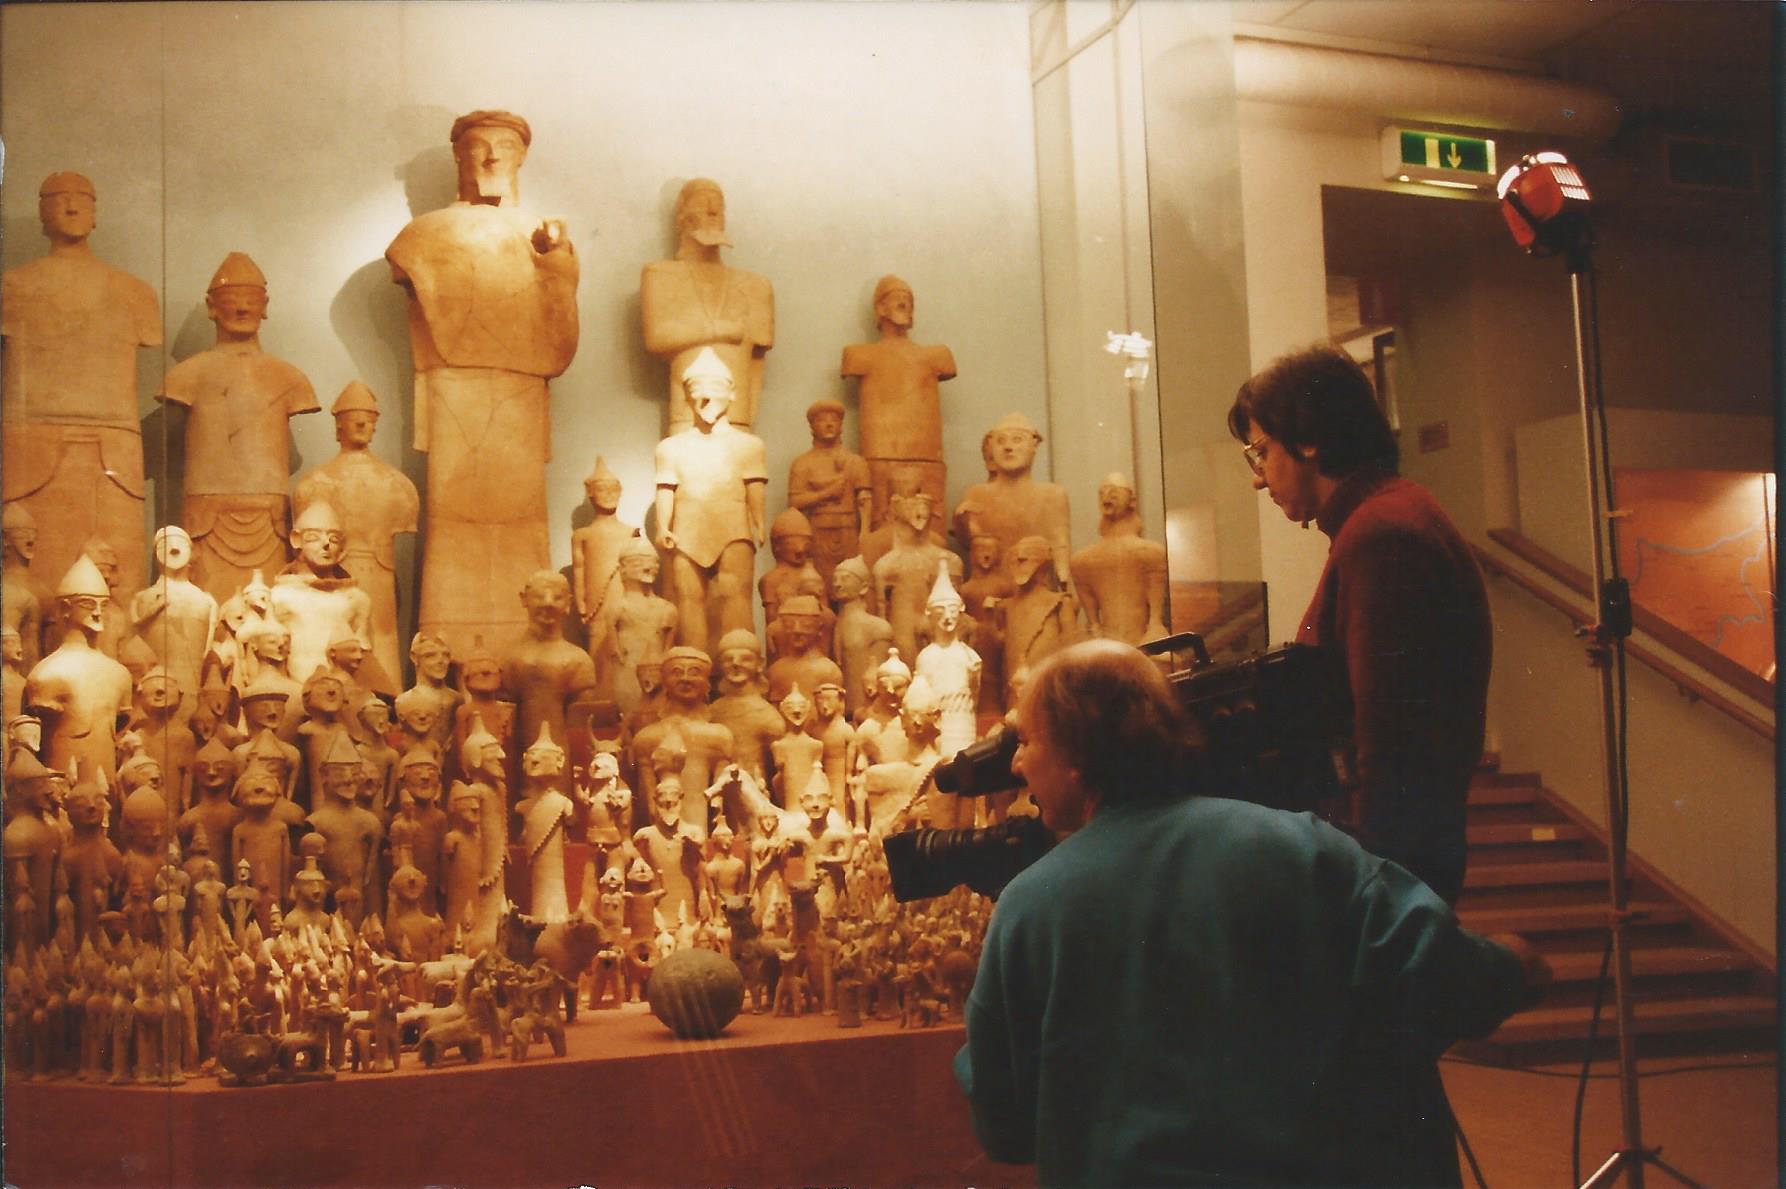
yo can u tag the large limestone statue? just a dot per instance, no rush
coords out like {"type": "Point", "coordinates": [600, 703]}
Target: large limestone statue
{"type": "Point", "coordinates": [315, 598]}
{"type": "Point", "coordinates": [1011, 505]}
{"type": "Point", "coordinates": [1121, 580]}
{"type": "Point", "coordinates": [20, 608]}
{"type": "Point", "coordinates": [830, 484]}
{"type": "Point", "coordinates": [174, 616]}
{"type": "Point", "coordinates": [710, 480]}
{"type": "Point", "coordinates": [492, 317]}
{"type": "Point", "coordinates": [696, 301]}
{"type": "Point", "coordinates": [238, 402]}
{"type": "Point", "coordinates": [899, 407]}
{"type": "Point", "coordinates": [78, 691]}
{"type": "Point", "coordinates": [596, 549]}
{"type": "Point", "coordinates": [376, 501]}
{"type": "Point", "coordinates": [73, 445]}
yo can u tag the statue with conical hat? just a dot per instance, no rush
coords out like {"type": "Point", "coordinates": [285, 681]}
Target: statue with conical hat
{"type": "Point", "coordinates": [376, 502]}
{"type": "Point", "coordinates": [710, 508]}
{"type": "Point", "coordinates": [475, 905]}
{"type": "Point", "coordinates": [31, 845]}
{"type": "Point", "coordinates": [72, 326]}
{"type": "Point", "coordinates": [546, 815]}
{"type": "Point", "coordinates": [315, 597]}
{"type": "Point", "coordinates": [1011, 505]}
{"type": "Point", "coordinates": [952, 668]}
{"type": "Point", "coordinates": [898, 404]}
{"type": "Point", "coordinates": [237, 403]}
{"type": "Point", "coordinates": [492, 317]}
{"type": "Point", "coordinates": [351, 833]}
{"type": "Point", "coordinates": [595, 570]}
{"type": "Point", "coordinates": [78, 691]}
{"type": "Point", "coordinates": [1120, 580]}
{"type": "Point", "coordinates": [696, 302]}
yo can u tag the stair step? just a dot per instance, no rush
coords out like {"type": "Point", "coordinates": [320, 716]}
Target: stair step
{"type": "Point", "coordinates": [1562, 918]}
{"type": "Point", "coordinates": [1495, 778]}
{"type": "Point", "coordinates": [1525, 834]}
{"type": "Point", "coordinates": [1661, 1016]}
{"type": "Point", "coordinates": [1502, 794]}
{"type": "Point", "coordinates": [1522, 875]}
{"type": "Point", "coordinates": [1584, 966]}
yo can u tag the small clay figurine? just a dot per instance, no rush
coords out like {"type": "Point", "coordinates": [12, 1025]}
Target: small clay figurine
{"type": "Point", "coordinates": [433, 661]}
{"type": "Point", "coordinates": [33, 847]}
{"type": "Point", "coordinates": [78, 691]}
{"type": "Point", "coordinates": [315, 598]}
{"type": "Point", "coordinates": [418, 799]}
{"type": "Point", "coordinates": [803, 660]}
{"type": "Point", "coordinates": [891, 786]}
{"type": "Point", "coordinates": [325, 702]}
{"type": "Point", "coordinates": [790, 541]}
{"type": "Point", "coordinates": [797, 754]}
{"type": "Point", "coordinates": [262, 842]}
{"type": "Point", "coordinates": [546, 816]}
{"type": "Point", "coordinates": [706, 745]}
{"type": "Point", "coordinates": [904, 575]}
{"type": "Point", "coordinates": [415, 934]}
{"type": "Point", "coordinates": [94, 864]}
{"type": "Point", "coordinates": [987, 585]}
{"type": "Point", "coordinates": [673, 850]}
{"type": "Point", "coordinates": [20, 609]}
{"type": "Point", "coordinates": [174, 616]}
{"type": "Point", "coordinates": [953, 671]}
{"type": "Point", "coordinates": [740, 706]}
{"type": "Point", "coordinates": [1011, 505]}
{"type": "Point", "coordinates": [710, 480]}
{"type": "Point", "coordinates": [165, 736]}
{"type": "Point", "coordinates": [644, 622]}
{"type": "Point", "coordinates": [351, 834]}
{"type": "Point", "coordinates": [595, 568]}
{"type": "Point", "coordinates": [214, 773]}
{"type": "Point", "coordinates": [543, 671]}
{"type": "Point", "coordinates": [418, 720]}
{"type": "Point", "coordinates": [862, 637]}
{"type": "Point", "coordinates": [481, 675]}
{"type": "Point", "coordinates": [12, 677]}
{"type": "Point", "coordinates": [268, 659]}
{"type": "Point", "coordinates": [482, 758]}
{"type": "Point", "coordinates": [837, 740]}
{"type": "Point", "coordinates": [1037, 620]}
{"type": "Point", "coordinates": [830, 484]}
{"type": "Point", "coordinates": [377, 502]}
{"type": "Point", "coordinates": [695, 303]}
{"type": "Point", "coordinates": [143, 829]}
{"type": "Point", "coordinates": [1121, 580]}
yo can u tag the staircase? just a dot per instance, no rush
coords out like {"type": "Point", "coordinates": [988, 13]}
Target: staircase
{"type": "Point", "coordinates": [1538, 869]}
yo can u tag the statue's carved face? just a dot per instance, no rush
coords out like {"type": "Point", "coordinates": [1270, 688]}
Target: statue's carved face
{"type": "Point", "coordinates": [173, 550]}
{"type": "Point", "coordinates": [264, 713]}
{"type": "Point", "coordinates": [211, 777]}
{"type": "Point", "coordinates": [309, 888]}
{"type": "Point", "coordinates": [321, 547]}
{"type": "Point", "coordinates": [432, 659]}
{"type": "Point", "coordinates": [158, 693]}
{"type": "Point", "coordinates": [355, 428]}
{"type": "Point", "coordinates": [915, 510]}
{"type": "Point", "coordinates": [897, 307]}
{"type": "Point", "coordinates": [893, 684]}
{"type": "Point", "coordinates": [418, 718]}
{"type": "Point", "coordinates": [21, 542]}
{"type": "Point", "coordinates": [685, 679]}
{"type": "Point", "coordinates": [12, 647]}
{"type": "Point", "coordinates": [86, 611]}
{"type": "Point", "coordinates": [828, 701]}
{"type": "Point", "coordinates": [639, 568]}
{"type": "Point", "coordinates": [489, 158]}
{"type": "Point", "coordinates": [540, 762]}
{"type": "Point", "coordinates": [347, 654]}
{"type": "Point", "coordinates": [815, 802]}
{"type": "Point", "coordinates": [483, 676]}
{"type": "Point", "coordinates": [86, 807]}
{"type": "Point", "coordinates": [669, 802]}
{"type": "Point", "coordinates": [546, 604]}
{"type": "Point", "coordinates": [603, 493]}
{"type": "Point", "coordinates": [422, 781]}
{"type": "Point", "coordinates": [703, 218]}
{"type": "Point", "coordinates": [796, 708]}
{"type": "Point", "coordinates": [273, 645]}
{"type": "Point", "coordinates": [467, 813]}
{"type": "Point", "coordinates": [944, 618]}
{"type": "Point", "coordinates": [323, 695]}
{"type": "Point", "coordinates": [1115, 500]}
{"type": "Point", "coordinates": [800, 631]}
{"type": "Point", "coordinates": [827, 426]}
{"type": "Point", "coordinates": [983, 553]}
{"type": "Point", "coordinates": [710, 398]}
{"type": "Point", "coordinates": [740, 666]}
{"type": "Point", "coordinates": [238, 310]}
{"type": "Point", "coordinates": [257, 790]}
{"type": "Point", "coordinates": [791, 549]}
{"type": "Point", "coordinates": [846, 585]}
{"type": "Point", "coordinates": [1013, 450]}
{"type": "Point", "coordinates": [70, 215]}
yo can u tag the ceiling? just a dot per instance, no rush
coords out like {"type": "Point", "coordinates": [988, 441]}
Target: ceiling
{"type": "Point", "coordinates": [1708, 64]}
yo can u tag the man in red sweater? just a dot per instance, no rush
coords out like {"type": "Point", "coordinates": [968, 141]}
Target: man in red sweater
{"type": "Point", "coordinates": [1401, 598]}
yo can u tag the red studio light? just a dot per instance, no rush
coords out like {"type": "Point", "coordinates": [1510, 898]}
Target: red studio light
{"type": "Point", "coordinates": [1545, 202]}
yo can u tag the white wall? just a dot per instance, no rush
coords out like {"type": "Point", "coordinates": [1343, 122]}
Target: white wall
{"type": "Point", "coordinates": [852, 140]}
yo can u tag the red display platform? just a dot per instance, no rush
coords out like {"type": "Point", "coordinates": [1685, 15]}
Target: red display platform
{"type": "Point", "coordinates": [774, 1102]}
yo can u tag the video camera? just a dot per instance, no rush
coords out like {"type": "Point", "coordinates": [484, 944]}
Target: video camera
{"type": "Point", "coordinates": [1274, 728]}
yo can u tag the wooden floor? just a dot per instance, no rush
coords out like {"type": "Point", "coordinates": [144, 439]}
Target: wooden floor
{"type": "Point", "coordinates": [1719, 1126]}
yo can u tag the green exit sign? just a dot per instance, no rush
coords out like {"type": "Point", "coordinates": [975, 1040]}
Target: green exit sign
{"type": "Point", "coordinates": [1438, 158]}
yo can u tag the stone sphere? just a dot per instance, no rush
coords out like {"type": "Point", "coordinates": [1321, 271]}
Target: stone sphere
{"type": "Point", "coordinates": [696, 992]}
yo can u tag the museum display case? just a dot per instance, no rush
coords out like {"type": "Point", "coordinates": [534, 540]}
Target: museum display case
{"type": "Point", "coordinates": [654, 541]}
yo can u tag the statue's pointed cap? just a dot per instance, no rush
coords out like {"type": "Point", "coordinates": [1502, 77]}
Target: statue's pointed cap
{"type": "Point", "coordinates": [265, 686]}
{"type": "Point", "coordinates": [479, 733]}
{"type": "Point", "coordinates": [83, 578]}
{"type": "Point", "coordinates": [415, 757]}
{"type": "Point", "coordinates": [214, 752]}
{"type": "Point", "coordinates": [16, 515]}
{"type": "Point", "coordinates": [707, 366]}
{"type": "Point", "coordinates": [893, 666]}
{"type": "Point", "coordinates": [266, 746]}
{"type": "Point", "coordinates": [942, 591]}
{"type": "Point", "coordinates": [257, 585]}
{"type": "Point", "coordinates": [602, 473]}
{"type": "Point", "coordinates": [355, 398]}
{"type": "Point", "coordinates": [545, 742]}
{"type": "Point", "coordinates": [341, 751]}
{"type": "Point", "coordinates": [791, 523]}
{"type": "Point", "coordinates": [24, 765]}
{"type": "Point", "coordinates": [920, 695]}
{"type": "Point", "coordinates": [237, 269]}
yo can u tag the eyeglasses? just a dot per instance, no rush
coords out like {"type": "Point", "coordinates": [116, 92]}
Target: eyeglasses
{"type": "Point", "coordinates": [1255, 455]}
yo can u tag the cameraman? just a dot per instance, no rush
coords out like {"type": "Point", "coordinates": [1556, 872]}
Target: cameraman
{"type": "Point", "coordinates": [1401, 598]}
{"type": "Point", "coordinates": [1192, 990]}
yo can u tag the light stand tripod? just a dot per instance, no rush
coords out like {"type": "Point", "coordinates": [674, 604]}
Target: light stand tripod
{"type": "Point", "coordinates": [1545, 204]}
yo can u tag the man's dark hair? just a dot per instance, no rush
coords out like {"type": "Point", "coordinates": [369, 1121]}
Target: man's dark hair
{"type": "Point", "coordinates": [1318, 397]}
{"type": "Point", "coordinates": [1109, 712]}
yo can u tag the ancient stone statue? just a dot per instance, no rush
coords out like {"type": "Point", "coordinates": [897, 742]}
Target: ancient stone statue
{"type": "Point", "coordinates": [1121, 580]}
{"type": "Point", "coordinates": [315, 598]}
{"type": "Point", "coordinates": [73, 444]}
{"type": "Point", "coordinates": [433, 661]}
{"type": "Point", "coordinates": [905, 573]}
{"type": "Point", "coordinates": [376, 502]}
{"type": "Point", "coordinates": [797, 754]}
{"type": "Point", "coordinates": [94, 863]}
{"type": "Point", "coordinates": [837, 738]}
{"type": "Point", "coordinates": [20, 608]}
{"type": "Point", "coordinates": [237, 402]}
{"type": "Point", "coordinates": [418, 799]}
{"type": "Point", "coordinates": [78, 691]}
{"type": "Point", "coordinates": [696, 301]}
{"type": "Point", "coordinates": [545, 816]}
{"type": "Point", "coordinates": [790, 540]}
{"type": "Point", "coordinates": [165, 738]}
{"type": "Point", "coordinates": [544, 672]}
{"type": "Point", "coordinates": [492, 318]}
{"type": "Point", "coordinates": [891, 784]}
{"type": "Point", "coordinates": [710, 480]}
{"type": "Point", "coordinates": [899, 407]}
{"type": "Point", "coordinates": [596, 549]}
{"type": "Point", "coordinates": [175, 617]}
{"type": "Point", "coordinates": [1037, 620]}
{"type": "Point", "coordinates": [803, 662]}
{"type": "Point", "coordinates": [1011, 505]}
{"type": "Point", "coordinates": [862, 638]}
{"type": "Point", "coordinates": [739, 704]}
{"type": "Point", "coordinates": [644, 622]}
{"type": "Point", "coordinates": [830, 485]}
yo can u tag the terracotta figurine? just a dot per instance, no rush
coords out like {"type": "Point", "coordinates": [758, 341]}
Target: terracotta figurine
{"type": "Point", "coordinates": [545, 815]}
{"type": "Point", "coordinates": [315, 598]}
{"type": "Point", "coordinates": [492, 317]}
{"type": "Point", "coordinates": [706, 745]}
{"type": "Point", "coordinates": [739, 704]}
{"type": "Point", "coordinates": [20, 608]}
{"type": "Point", "coordinates": [77, 691]}
{"type": "Point", "coordinates": [830, 484]}
{"type": "Point", "coordinates": [1121, 580]}
{"type": "Point", "coordinates": [800, 625]}
{"type": "Point", "coordinates": [952, 670]}
{"type": "Point", "coordinates": [862, 637]}
{"type": "Point", "coordinates": [174, 616]}
{"type": "Point", "coordinates": [644, 622]}
{"type": "Point", "coordinates": [596, 549]}
{"type": "Point", "coordinates": [899, 406]}
{"type": "Point", "coordinates": [544, 672]}
{"type": "Point", "coordinates": [1011, 505]}
{"type": "Point", "coordinates": [904, 574]}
